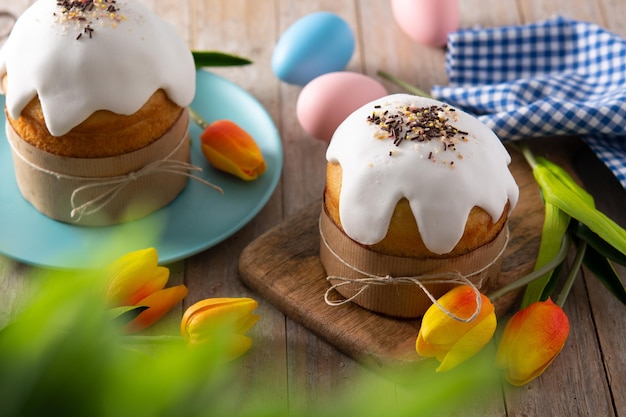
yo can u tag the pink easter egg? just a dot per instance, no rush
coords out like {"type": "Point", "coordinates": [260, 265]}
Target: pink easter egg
{"type": "Point", "coordinates": [427, 21]}
{"type": "Point", "coordinates": [328, 99]}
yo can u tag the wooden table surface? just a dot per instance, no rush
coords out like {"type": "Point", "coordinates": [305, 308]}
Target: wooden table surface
{"type": "Point", "coordinates": [288, 364]}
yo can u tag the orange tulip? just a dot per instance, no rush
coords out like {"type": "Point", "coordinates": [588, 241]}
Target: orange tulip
{"type": "Point", "coordinates": [227, 317]}
{"type": "Point", "coordinates": [231, 149]}
{"type": "Point", "coordinates": [159, 303]}
{"type": "Point", "coordinates": [452, 341]}
{"type": "Point", "coordinates": [531, 340]}
{"type": "Point", "coordinates": [136, 279]}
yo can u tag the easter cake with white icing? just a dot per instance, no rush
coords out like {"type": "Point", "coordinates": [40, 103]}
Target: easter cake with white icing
{"type": "Point", "coordinates": [96, 90]}
{"type": "Point", "coordinates": [416, 191]}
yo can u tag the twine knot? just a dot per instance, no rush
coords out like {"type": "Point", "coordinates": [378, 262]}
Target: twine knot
{"type": "Point", "coordinates": [368, 280]}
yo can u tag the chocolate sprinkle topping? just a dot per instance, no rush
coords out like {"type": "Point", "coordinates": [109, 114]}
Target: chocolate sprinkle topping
{"type": "Point", "coordinates": [420, 124]}
{"type": "Point", "coordinates": [88, 11]}
{"type": "Point", "coordinates": [417, 124]}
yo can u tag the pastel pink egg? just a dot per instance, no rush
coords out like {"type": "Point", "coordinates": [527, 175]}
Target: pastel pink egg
{"type": "Point", "coordinates": [328, 99]}
{"type": "Point", "coordinates": [427, 21]}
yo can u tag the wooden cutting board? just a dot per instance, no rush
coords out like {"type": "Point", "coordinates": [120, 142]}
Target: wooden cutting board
{"type": "Point", "coordinates": [283, 266]}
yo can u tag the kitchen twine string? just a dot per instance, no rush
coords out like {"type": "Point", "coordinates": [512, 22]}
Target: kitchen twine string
{"type": "Point", "coordinates": [114, 185]}
{"type": "Point", "coordinates": [371, 279]}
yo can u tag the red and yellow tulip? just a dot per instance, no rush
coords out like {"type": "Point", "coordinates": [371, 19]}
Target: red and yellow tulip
{"type": "Point", "coordinates": [136, 279]}
{"type": "Point", "coordinates": [231, 149]}
{"type": "Point", "coordinates": [531, 340]}
{"type": "Point", "coordinates": [227, 317]}
{"type": "Point", "coordinates": [452, 341]}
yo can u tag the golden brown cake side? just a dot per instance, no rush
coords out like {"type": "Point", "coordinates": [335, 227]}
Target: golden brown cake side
{"type": "Point", "coordinates": [403, 236]}
{"type": "Point", "coordinates": [101, 135]}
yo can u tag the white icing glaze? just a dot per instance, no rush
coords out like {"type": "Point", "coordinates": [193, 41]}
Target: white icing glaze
{"type": "Point", "coordinates": [442, 186]}
{"type": "Point", "coordinates": [118, 68]}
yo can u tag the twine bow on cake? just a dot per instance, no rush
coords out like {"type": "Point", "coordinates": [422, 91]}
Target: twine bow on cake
{"type": "Point", "coordinates": [368, 280]}
{"type": "Point", "coordinates": [110, 187]}
{"type": "Point", "coordinates": [113, 185]}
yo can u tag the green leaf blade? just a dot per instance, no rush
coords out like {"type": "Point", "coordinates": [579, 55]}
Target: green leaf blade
{"type": "Point", "coordinates": [125, 314]}
{"type": "Point", "coordinates": [579, 208]}
{"type": "Point", "coordinates": [602, 247]}
{"type": "Point", "coordinates": [218, 59]}
{"type": "Point", "coordinates": [603, 270]}
{"type": "Point", "coordinates": [555, 225]}
{"type": "Point", "coordinates": [566, 180]}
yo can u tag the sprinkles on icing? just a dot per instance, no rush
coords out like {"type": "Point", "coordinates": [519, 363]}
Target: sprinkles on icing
{"type": "Point", "coordinates": [420, 124]}
{"type": "Point", "coordinates": [86, 12]}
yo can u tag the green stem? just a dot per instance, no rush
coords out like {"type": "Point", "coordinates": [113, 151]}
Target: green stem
{"type": "Point", "coordinates": [403, 84]}
{"type": "Point", "coordinates": [197, 119]}
{"type": "Point", "coordinates": [538, 273]}
{"type": "Point", "coordinates": [161, 340]}
{"type": "Point", "coordinates": [573, 273]}
{"type": "Point", "coordinates": [527, 153]}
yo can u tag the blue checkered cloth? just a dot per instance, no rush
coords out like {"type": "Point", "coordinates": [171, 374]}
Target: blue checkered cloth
{"type": "Point", "coordinates": [558, 77]}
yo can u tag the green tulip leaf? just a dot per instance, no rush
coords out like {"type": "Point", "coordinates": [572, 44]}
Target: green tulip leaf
{"type": "Point", "coordinates": [555, 225]}
{"type": "Point", "coordinates": [217, 59]}
{"type": "Point", "coordinates": [602, 268]}
{"type": "Point", "coordinates": [566, 180]}
{"type": "Point", "coordinates": [553, 282]}
{"type": "Point", "coordinates": [125, 314]}
{"type": "Point", "coordinates": [600, 245]}
{"type": "Point", "coordinates": [575, 204]}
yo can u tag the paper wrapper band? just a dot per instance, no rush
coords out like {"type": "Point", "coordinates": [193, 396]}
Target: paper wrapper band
{"type": "Point", "coordinates": [399, 286]}
{"type": "Point", "coordinates": [106, 190]}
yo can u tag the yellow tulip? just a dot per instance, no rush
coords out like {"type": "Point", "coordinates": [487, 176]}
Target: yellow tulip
{"type": "Point", "coordinates": [134, 276]}
{"type": "Point", "coordinates": [452, 341]}
{"type": "Point", "coordinates": [531, 340]}
{"type": "Point", "coordinates": [136, 279]}
{"type": "Point", "coordinates": [231, 149]}
{"type": "Point", "coordinates": [233, 316]}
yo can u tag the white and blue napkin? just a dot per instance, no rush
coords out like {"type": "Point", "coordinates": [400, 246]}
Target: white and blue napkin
{"type": "Point", "coordinates": [558, 77]}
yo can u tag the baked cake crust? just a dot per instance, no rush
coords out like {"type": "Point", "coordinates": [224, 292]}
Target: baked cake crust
{"type": "Point", "coordinates": [403, 237]}
{"type": "Point", "coordinates": [104, 133]}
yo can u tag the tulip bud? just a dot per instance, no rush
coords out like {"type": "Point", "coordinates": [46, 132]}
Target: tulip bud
{"type": "Point", "coordinates": [133, 277]}
{"type": "Point", "coordinates": [231, 149]}
{"type": "Point", "coordinates": [531, 340]}
{"type": "Point", "coordinates": [136, 279]}
{"type": "Point", "coordinates": [203, 321]}
{"type": "Point", "coordinates": [452, 341]}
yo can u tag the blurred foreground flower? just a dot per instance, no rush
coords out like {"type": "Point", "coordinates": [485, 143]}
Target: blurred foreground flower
{"type": "Point", "coordinates": [532, 339]}
{"type": "Point", "coordinates": [231, 317]}
{"type": "Point", "coordinates": [136, 279]}
{"type": "Point", "coordinates": [459, 332]}
{"type": "Point", "coordinates": [61, 355]}
{"type": "Point", "coordinates": [230, 148]}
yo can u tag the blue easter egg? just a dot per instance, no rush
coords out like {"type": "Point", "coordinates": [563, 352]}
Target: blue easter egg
{"type": "Point", "coordinates": [316, 44]}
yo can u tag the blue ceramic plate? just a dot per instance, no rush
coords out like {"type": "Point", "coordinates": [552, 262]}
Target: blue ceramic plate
{"type": "Point", "coordinates": [199, 218]}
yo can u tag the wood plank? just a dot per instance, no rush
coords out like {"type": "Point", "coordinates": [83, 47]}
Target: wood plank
{"type": "Point", "coordinates": [562, 389]}
{"type": "Point", "coordinates": [574, 384]}
{"type": "Point", "coordinates": [608, 312]}
{"type": "Point", "coordinates": [304, 156]}
{"type": "Point", "coordinates": [387, 48]}
{"type": "Point", "coordinates": [538, 10]}
{"type": "Point", "coordinates": [316, 370]}
{"type": "Point", "coordinates": [15, 287]}
{"type": "Point", "coordinates": [221, 26]}
{"type": "Point", "coordinates": [9, 12]}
